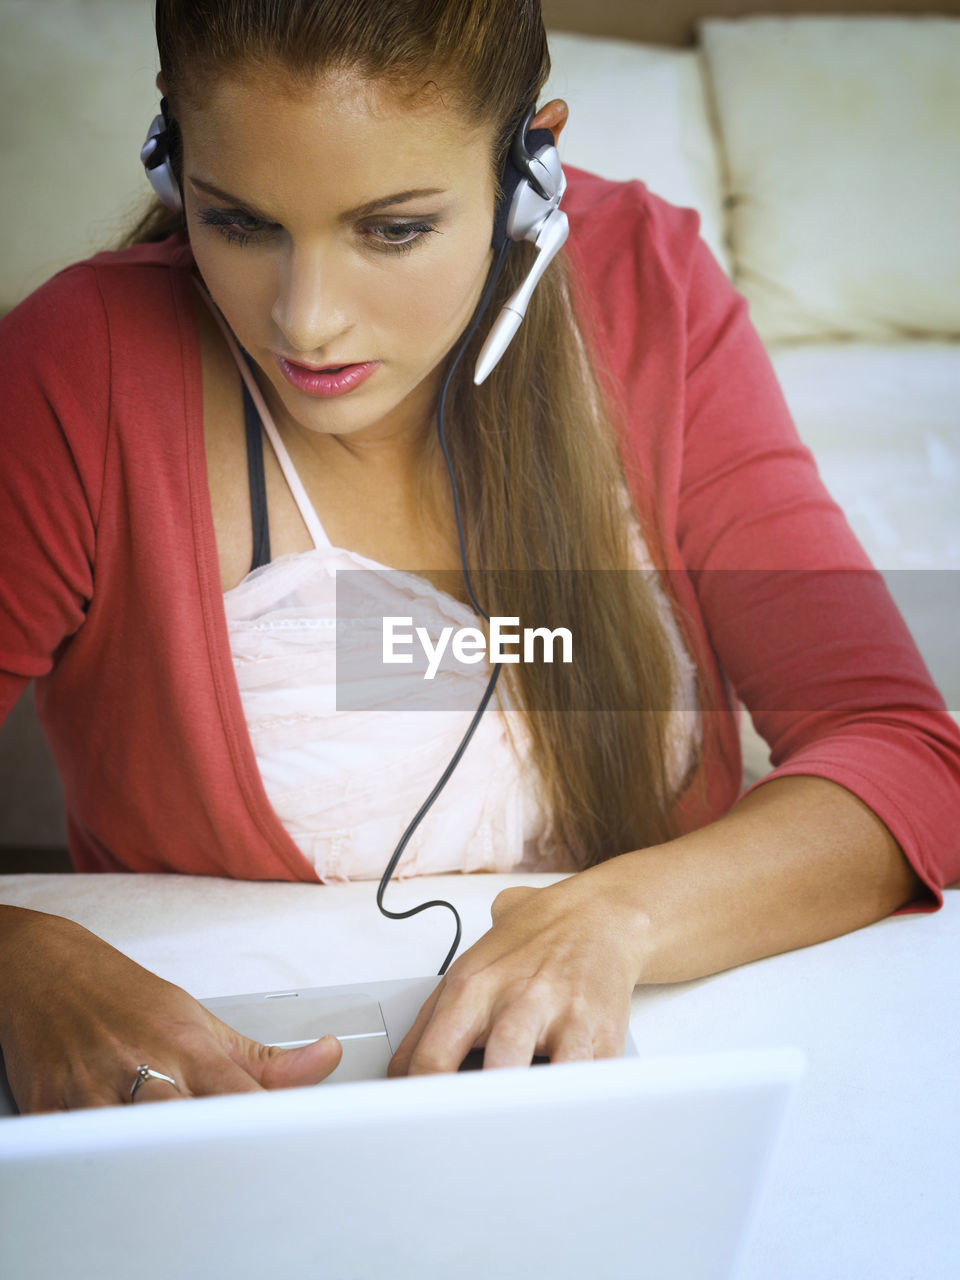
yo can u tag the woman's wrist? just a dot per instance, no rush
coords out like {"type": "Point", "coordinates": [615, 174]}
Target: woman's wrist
{"type": "Point", "coordinates": [799, 861]}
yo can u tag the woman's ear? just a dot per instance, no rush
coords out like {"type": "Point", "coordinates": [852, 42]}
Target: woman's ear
{"type": "Point", "coordinates": [160, 85]}
{"type": "Point", "coordinates": [552, 116]}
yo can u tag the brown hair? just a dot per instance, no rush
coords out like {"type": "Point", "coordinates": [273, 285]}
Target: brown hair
{"type": "Point", "coordinates": [543, 420]}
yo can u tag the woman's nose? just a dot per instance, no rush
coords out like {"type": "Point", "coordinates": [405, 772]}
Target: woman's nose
{"type": "Point", "coordinates": [309, 309]}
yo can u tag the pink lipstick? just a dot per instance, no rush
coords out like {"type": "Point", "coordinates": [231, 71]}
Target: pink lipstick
{"type": "Point", "coordinates": [330, 381]}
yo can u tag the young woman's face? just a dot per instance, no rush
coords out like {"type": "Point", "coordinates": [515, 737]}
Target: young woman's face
{"type": "Point", "coordinates": [340, 226]}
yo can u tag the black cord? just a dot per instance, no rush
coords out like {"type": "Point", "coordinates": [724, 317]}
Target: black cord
{"type": "Point", "coordinates": [488, 693]}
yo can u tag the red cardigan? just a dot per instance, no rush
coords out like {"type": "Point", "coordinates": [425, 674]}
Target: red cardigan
{"type": "Point", "coordinates": [110, 594]}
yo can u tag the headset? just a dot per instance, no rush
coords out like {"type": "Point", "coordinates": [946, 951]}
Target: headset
{"type": "Point", "coordinates": [532, 184]}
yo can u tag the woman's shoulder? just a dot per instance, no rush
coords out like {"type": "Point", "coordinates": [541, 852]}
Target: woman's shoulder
{"type": "Point", "coordinates": [96, 317]}
{"type": "Point", "coordinates": [110, 280]}
{"type": "Point", "coordinates": [171, 254]}
{"type": "Point", "coordinates": [611, 219]}
{"type": "Point", "coordinates": [83, 353]}
{"type": "Point", "coordinates": [642, 267]}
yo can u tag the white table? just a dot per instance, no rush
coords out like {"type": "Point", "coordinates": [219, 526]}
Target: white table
{"type": "Point", "coordinates": [866, 1183]}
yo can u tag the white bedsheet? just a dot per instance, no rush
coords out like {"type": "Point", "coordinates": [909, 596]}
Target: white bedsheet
{"type": "Point", "coordinates": [865, 1180]}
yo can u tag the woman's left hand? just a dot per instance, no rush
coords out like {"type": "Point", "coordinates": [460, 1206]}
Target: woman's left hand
{"type": "Point", "coordinates": [553, 975]}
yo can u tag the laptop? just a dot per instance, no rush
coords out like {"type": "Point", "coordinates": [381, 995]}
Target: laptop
{"type": "Point", "coordinates": [616, 1168]}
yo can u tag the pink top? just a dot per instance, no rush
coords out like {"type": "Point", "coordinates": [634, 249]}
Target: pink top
{"type": "Point", "coordinates": [110, 591]}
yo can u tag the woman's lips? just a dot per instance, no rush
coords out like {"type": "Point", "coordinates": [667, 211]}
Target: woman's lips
{"type": "Point", "coordinates": [317, 382]}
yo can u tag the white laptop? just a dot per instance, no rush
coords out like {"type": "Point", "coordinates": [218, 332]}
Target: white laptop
{"type": "Point", "coordinates": [619, 1168]}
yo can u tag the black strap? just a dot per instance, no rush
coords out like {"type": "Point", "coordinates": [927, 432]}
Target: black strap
{"type": "Point", "coordinates": [258, 484]}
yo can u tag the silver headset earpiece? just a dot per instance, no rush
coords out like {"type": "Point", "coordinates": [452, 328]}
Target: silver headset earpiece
{"type": "Point", "coordinates": [157, 161]}
{"type": "Point", "coordinates": [534, 215]}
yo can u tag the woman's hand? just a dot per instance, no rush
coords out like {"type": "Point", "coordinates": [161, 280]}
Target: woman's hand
{"type": "Point", "coordinates": [553, 975]}
{"type": "Point", "coordinates": [78, 1018]}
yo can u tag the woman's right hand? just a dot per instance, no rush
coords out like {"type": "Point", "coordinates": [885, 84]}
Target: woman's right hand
{"type": "Point", "coordinates": [77, 1018]}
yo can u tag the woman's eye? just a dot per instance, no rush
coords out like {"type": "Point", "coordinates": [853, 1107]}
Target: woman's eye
{"type": "Point", "coordinates": [241, 228]}
{"type": "Point", "coordinates": [234, 224]}
{"type": "Point", "coordinates": [400, 236]}
{"type": "Point", "coordinates": [248, 223]}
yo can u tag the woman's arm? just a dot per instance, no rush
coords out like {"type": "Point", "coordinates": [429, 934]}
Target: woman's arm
{"type": "Point", "coordinates": [803, 629]}
{"type": "Point", "coordinates": [797, 861]}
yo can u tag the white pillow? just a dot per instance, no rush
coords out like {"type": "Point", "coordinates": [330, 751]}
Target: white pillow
{"type": "Point", "coordinates": [640, 111]}
{"type": "Point", "coordinates": [76, 99]}
{"type": "Point", "coordinates": [842, 147]}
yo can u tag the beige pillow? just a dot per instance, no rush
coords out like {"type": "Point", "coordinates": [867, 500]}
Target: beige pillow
{"type": "Point", "coordinates": [76, 96]}
{"type": "Point", "coordinates": [640, 111]}
{"type": "Point", "coordinates": [842, 145]}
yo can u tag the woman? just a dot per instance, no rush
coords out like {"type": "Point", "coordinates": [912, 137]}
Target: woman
{"type": "Point", "coordinates": [338, 167]}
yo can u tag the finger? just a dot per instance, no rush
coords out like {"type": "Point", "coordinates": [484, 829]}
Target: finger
{"type": "Point", "coordinates": [610, 1041]}
{"type": "Point", "coordinates": [47, 1104]}
{"type": "Point", "coordinates": [219, 1074]}
{"type": "Point", "coordinates": [275, 1068]}
{"type": "Point", "coordinates": [153, 1090]}
{"type": "Point", "coordinates": [514, 1038]}
{"type": "Point", "coordinates": [400, 1062]}
{"type": "Point", "coordinates": [78, 1091]}
{"type": "Point", "coordinates": [81, 1101]}
{"type": "Point", "coordinates": [294, 1068]}
{"type": "Point", "coordinates": [458, 1024]}
{"type": "Point", "coordinates": [82, 1083]}
{"type": "Point", "coordinates": [572, 1041]}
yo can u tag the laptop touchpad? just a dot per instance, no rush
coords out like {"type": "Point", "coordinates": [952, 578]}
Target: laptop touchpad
{"type": "Point", "coordinates": [290, 1019]}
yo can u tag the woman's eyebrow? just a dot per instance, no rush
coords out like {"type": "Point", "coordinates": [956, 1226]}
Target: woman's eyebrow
{"type": "Point", "coordinates": [371, 206]}
{"type": "Point", "coordinates": [398, 197]}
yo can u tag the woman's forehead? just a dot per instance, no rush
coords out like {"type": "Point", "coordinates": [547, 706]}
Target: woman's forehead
{"type": "Point", "coordinates": [346, 91]}
{"type": "Point", "coordinates": [263, 138]}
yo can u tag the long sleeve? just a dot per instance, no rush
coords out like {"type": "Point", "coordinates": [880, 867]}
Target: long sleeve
{"type": "Point", "coordinates": [777, 599]}
{"type": "Point", "coordinates": [55, 406]}
{"type": "Point", "coordinates": [800, 621]}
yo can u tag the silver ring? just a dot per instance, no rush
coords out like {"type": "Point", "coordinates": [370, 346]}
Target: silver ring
{"type": "Point", "coordinates": [147, 1073]}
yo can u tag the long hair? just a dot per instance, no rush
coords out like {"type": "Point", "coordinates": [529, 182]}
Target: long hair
{"type": "Point", "coordinates": [535, 454]}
